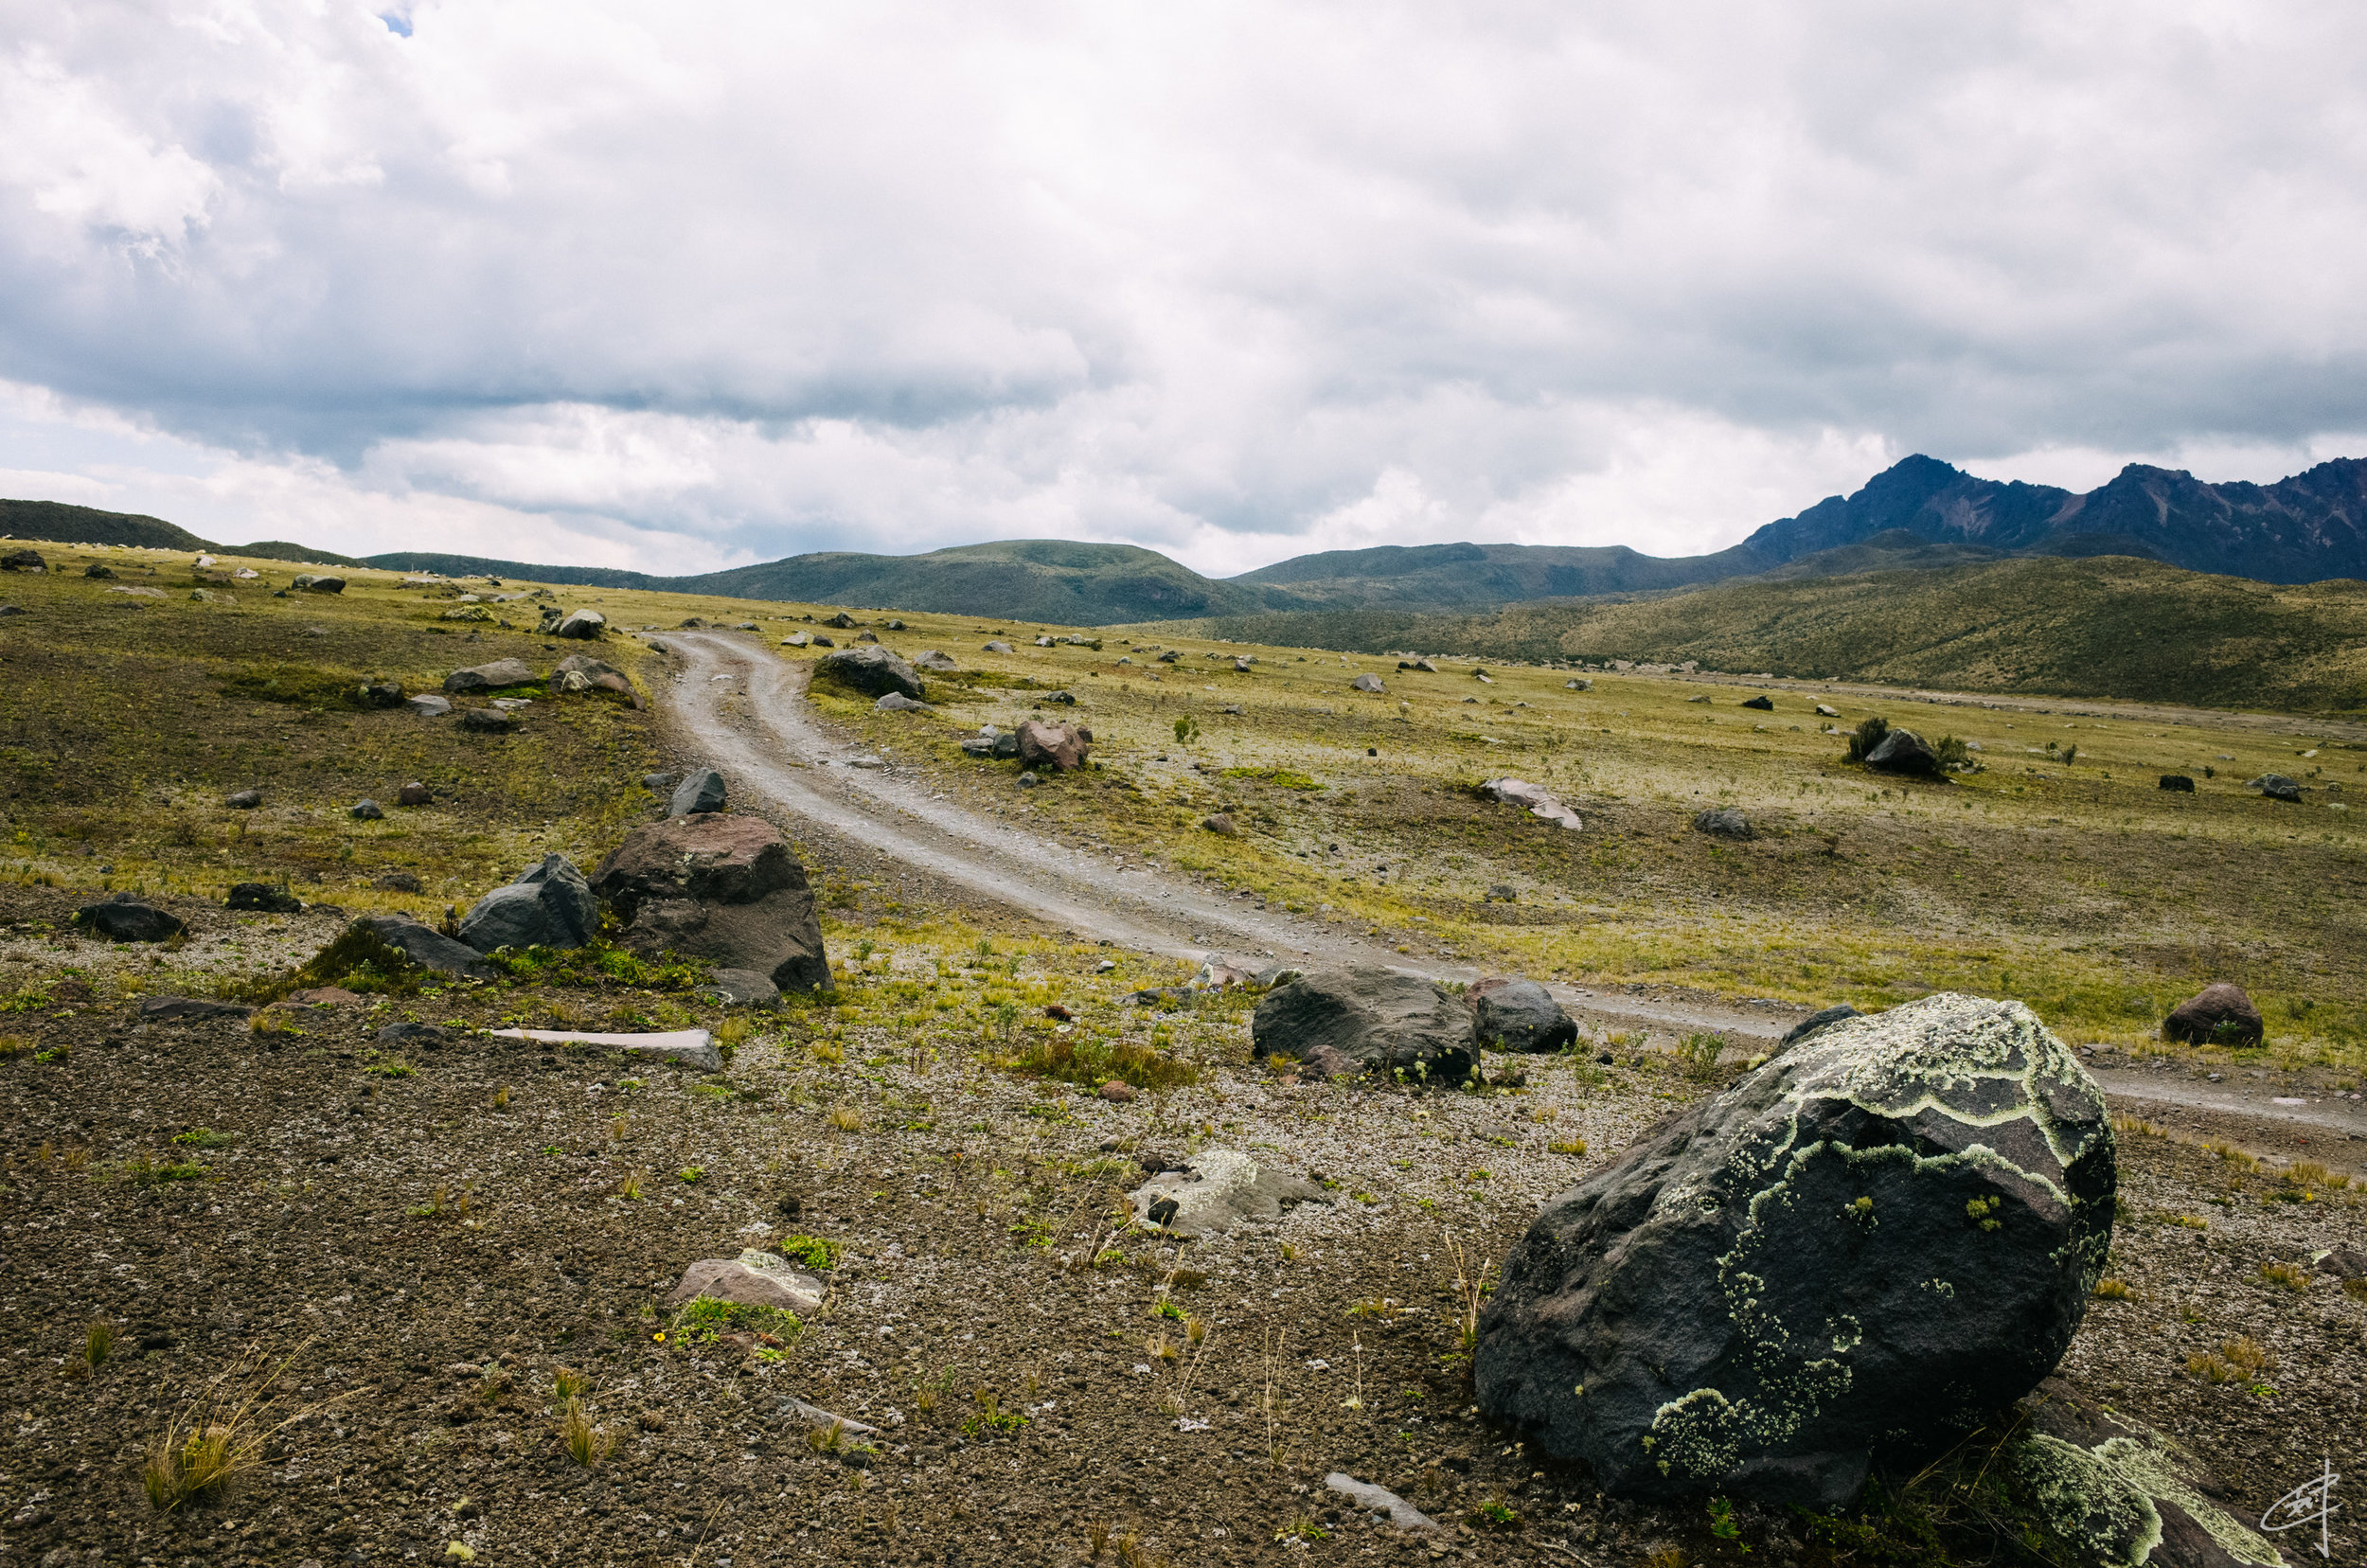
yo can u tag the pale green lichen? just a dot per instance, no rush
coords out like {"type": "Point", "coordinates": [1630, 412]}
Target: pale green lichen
{"type": "Point", "coordinates": [2105, 1501]}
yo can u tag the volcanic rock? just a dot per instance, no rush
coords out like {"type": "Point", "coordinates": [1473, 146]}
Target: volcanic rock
{"type": "Point", "coordinates": [1367, 1019]}
{"type": "Point", "coordinates": [719, 888]}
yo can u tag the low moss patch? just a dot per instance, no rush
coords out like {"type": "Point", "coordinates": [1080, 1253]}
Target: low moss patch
{"type": "Point", "coordinates": [1093, 1062]}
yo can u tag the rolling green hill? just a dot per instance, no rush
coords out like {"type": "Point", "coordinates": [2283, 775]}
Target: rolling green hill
{"type": "Point", "coordinates": [2104, 625]}
{"type": "Point", "coordinates": [67, 524]}
{"type": "Point", "coordinates": [1475, 575]}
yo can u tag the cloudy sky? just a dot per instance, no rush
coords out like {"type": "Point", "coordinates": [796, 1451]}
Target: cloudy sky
{"type": "Point", "coordinates": [678, 286]}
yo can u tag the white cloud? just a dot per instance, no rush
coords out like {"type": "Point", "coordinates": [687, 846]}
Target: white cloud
{"type": "Point", "coordinates": [669, 285]}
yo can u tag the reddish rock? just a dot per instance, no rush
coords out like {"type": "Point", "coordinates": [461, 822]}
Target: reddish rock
{"type": "Point", "coordinates": [720, 887]}
{"type": "Point", "coordinates": [413, 793]}
{"type": "Point", "coordinates": [1117, 1092]}
{"type": "Point", "coordinates": [2219, 1014]}
{"type": "Point", "coordinates": [321, 993]}
{"type": "Point", "coordinates": [1061, 746]}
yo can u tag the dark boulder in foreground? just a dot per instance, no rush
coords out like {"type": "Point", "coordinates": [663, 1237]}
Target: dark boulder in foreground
{"type": "Point", "coordinates": [698, 794]}
{"type": "Point", "coordinates": [2219, 1014]}
{"type": "Point", "coordinates": [870, 670]}
{"type": "Point", "coordinates": [548, 905]}
{"type": "Point", "coordinates": [1518, 1015]}
{"type": "Point", "coordinates": [121, 919]}
{"type": "Point", "coordinates": [1903, 752]}
{"type": "Point", "coordinates": [1873, 1241]}
{"type": "Point", "coordinates": [423, 946]}
{"type": "Point", "coordinates": [2178, 783]}
{"type": "Point", "coordinates": [719, 888]}
{"type": "Point", "coordinates": [1364, 1020]}
{"type": "Point", "coordinates": [263, 898]}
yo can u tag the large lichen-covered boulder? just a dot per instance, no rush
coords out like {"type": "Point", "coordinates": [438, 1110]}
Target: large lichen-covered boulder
{"type": "Point", "coordinates": [2116, 1493]}
{"type": "Point", "coordinates": [1364, 1019]}
{"type": "Point", "coordinates": [717, 886]}
{"type": "Point", "coordinates": [1873, 1242]}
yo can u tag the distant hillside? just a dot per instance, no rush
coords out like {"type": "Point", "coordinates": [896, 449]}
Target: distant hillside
{"type": "Point", "coordinates": [302, 555]}
{"type": "Point", "coordinates": [1444, 575]}
{"type": "Point", "coordinates": [460, 565]}
{"type": "Point", "coordinates": [2105, 626]}
{"type": "Point", "coordinates": [71, 524]}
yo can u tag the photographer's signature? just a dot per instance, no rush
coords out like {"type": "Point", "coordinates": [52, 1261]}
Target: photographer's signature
{"type": "Point", "coordinates": [2311, 1503]}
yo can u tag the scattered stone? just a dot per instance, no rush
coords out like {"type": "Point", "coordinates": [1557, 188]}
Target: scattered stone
{"type": "Point", "coordinates": [1423, 665]}
{"type": "Point", "coordinates": [740, 987]}
{"type": "Point", "coordinates": [1726, 822]}
{"type": "Point", "coordinates": [2276, 787]}
{"type": "Point", "coordinates": [306, 582]}
{"type": "Point", "coordinates": [1826, 711]}
{"type": "Point", "coordinates": [1879, 1239]}
{"type": "Point", "coordinates": [317, 996]}
{"type": "Point", "coordinates": [1219, 1189]}
{"type": "Point", "coordinates": [720, 887]}
{"type": "Point", "coordinates": [1045, 642]}
{"type": "Point", "coordinates": [413, 793]}
{"type": "Point", "coordinates": [994, 648]}
{"type": "Point", "coordinates": [2178, 783]}
{"type": "Point", "coordinates": [936, 662]}
{"type": "Point", "coordinates": [1171, 656]}
{"type": "Point", "coordinates": [121, 919]}
{"type": "Point", "coordinates": [1381, 1501]}
{"type": "Point", "coordinates": [23, 560]}
{"type": "Point", "coordinates": [1534, 798]}
{"type": "Point", "coordinates": [263, 898]}
{"type": "Point", "coordinates": [866, 637]}
{"type": "Point", "coordinates": [842, 620]}
{"type": "Point", "coordinates": [1063, 747]}
{"type": "Point", "coordinates": [1221, 824]}
{"type": "Point", "coordinates": [1028, 782]}
{"type": "Point", "coordinates": [189, 1009]}
{"type": "Point", "coordinates": [1482, 677]}
{"type": "Point", "coordinates": [1502, 893]}
{"type": "Point", "coordinates": [692, 1048]}
{"type": "Point", "coordinates": [424, 946]}
{"type": "Point", "coordinates": [1118, 1092]}
{"type": "Point", "coordinates": [699, 793]}
{"type": "Point", "coordinates": [2219, 1014]}
{"type": "Point", "coordinates": [1062, 698]}
{"type": "Point", "coordinates": [896, 702]}
{"type": "Point", "coordinates": [497, 676]}
{"type": "Point", "coordinates": [366, 810]}
{"type": "Point", "coordinates": [1368, 683]}
{"type": "Point", "coordinates": [489, 721]}
{"type": "Point", "coordinates": [548, 905]}
{"type": "Point", "coordinates": [396, 882]}
{"type": "Point", "coordinates": [1577, 685]}
{"type": "Point", "coordinates": [754, 1279]}
{"type": "Point", "coordinates": [1814, 1021]}
{"type": "Point", "coordinates": [381, 694]}
{"type": "Point", "coordinates": [1763, 704]}
{"type": "Point", "coordinates": [1903, 752]}
{"type": "Point", "coordinates": [872, 671]}
{"type": "Point", "coordinates": [1518, 1015]}
{"type": "Point", "coordinates": [99, 570]}
{"type": "Point", "coordinates": [428, 705]}
{"type": "Point", "coordinates": [796, 639]}
{"type": "Point", "coordinates": [245, 800]}
{"type": "Point", "coordinates": [1366, 1019]}
{"type": "Point", "coordinates": [660, 783]}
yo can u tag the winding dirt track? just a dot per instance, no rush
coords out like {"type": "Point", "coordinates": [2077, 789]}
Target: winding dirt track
{"type": "Point", "coordinates": [743, 711]}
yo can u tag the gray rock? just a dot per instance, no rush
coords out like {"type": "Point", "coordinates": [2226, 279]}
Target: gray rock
{"type": "Point", "coordinates": [796, 639]}
{"type": "Point", "coordinates": [842, 620]}
{"type": "Point", "coordinates": [1903, 752]}
{"type": "Point", "coordinates": [1222, 825]}
{"type": "Point", "coordinates": [548, 905]}
{"type": "Point", "coordinates": [1368, 683]}
{"type": "Point", "coordinates": [1058, 699]}
{"type": "Point", "coordinates": [896, 702]}
{"type": "Point", "coordinates": [719, 888]}
{"type": "Point", "coordinates": [1577, 685]}
{"type": "Point", "coordinates": [870, 670]}
{"type": "Point", "coordinates": [584, 624]}
{"type": "Point", "coordinates": [1379, 1502]}
{"type": "Point", "coordinates": [7, 610]}
{"type": "Point", "coordinates": [1825, 711]}
{"type": "Point", "coordinates": [660, 783]}
{"type": "Point", "coordinates": [1368, 1020]}
{"type": "Point", "coordinates": [425, 947]}
{"type": "Point", "coordinates": [1877, 1239]}
{"type": "Point", "coordinates": [497, 676]}
{"type": "Point", "coordinates": [1219, 1189]}
{"type": "Point", "coordinates": [1814, 1021]}
{"type": "Point", "coordinates": [489, 721]}
{"type": "Point", "coordinates": [994, 648]}
{"type": "Point", "coordinates": [415, 1036]}
{"type": "Point", "coordinates": [1519, 1015]}
{"type": "Point", "coordinates": [366, 810]}
{"type": "Point", "coordinates": [1763, 705]}
{"type": "Point", "coordinates": [2276, 787]}
{"type": "Point", "coordinates": [245, 800]}
{"type": "Point", "coordinates": [428, 705]}
{"type": "Point", "coordinates": [381, 694]}
{"type": "Point", "coordinates": [307, 584]}
{"type": "Point", "coordinates": [1726, 822]}
{"type": "Point", "coordinates": [189, 1009]}
{"type": "Point", "coordinates": [751, 1279]}
{"type": "Point", "coordinates": [1028, 782]}
{"type": "Point", "coordinates": [23, 560]}
{"type": "Point", "coordinates": [121, 919]}
{"type": "Point", "coordinates": [263, 898]}
{"type": "Point", "coordinates": [935, 663]}
{"type": "Point", "coordinates": [738, 987]}
{"type": "Point", "coordinates": [1535, 800]}
{"type": "Point", "coordinates": [699, 792]}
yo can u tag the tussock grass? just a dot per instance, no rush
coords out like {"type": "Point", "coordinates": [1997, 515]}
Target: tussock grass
{"type": "Point", "coordinates": [221, 1435]}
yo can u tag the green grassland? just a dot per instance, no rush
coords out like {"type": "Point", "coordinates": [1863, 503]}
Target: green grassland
{"type": "Point", "coordinates": [2109, 626]}
{"type": "Point", "coordinates": [2081, 888]}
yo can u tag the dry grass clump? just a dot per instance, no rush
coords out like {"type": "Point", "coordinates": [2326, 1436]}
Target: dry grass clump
{"type": "Point", "coordinates": [580, 1439]}
{"type": "Point", "coordinates": [2114, 1290]}
{"type": "Point", "coordinates": [222, 1433]}
{"type": "Point", "coordinates": [1091, 1063]}
{"type": "Point", "coordinates": [2290, 1276]}
{"type": "Point", "coordinates": [2240, 1360]}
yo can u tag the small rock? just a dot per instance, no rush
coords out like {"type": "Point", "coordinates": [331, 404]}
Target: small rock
{"type": "Point", "coordinates": [396, 882]}
{"type": "Point", "coordinates": [1536, 800]}
{"type": "Point", "coordinates": [1824, 711]}
{"type": "Point", "coordinates": [189, 1009]}
{"type": "Point", "coordinates": [489, 721]}
{"type": "Point", "coordinates": [1368, 683]}
{"type": "Point", "coordinates": [413, 793]}
{"type": "Point", "coordinates": [245, 800]}
{"type": "Point", "coordinates": [1117, 1092]}
{"type": "Point", "coordinates": [1028, 782]}
{"type": "Point", "coordinates": [1221, 824]}
{"type": "Point", "coordinates": [23, 560]}
{"type": "Point", "coordinates": [1903, 752]}
{"type": "Point", "coordinates": [842, 620]}
{"type": "Point", "coordinates": [936, 662]}
{"type": "Point", "coordinates": [314, 996]}
{"type": "Point", "coordinates": [121, 919]}
{"type": "Point", "coordinates": [699, 792]}
{"type": "Point", "coordinates": [740, 987]}
{"type": "Point", "coordinates": [366, 811]}
{"type": "Point", "coordinates": [98, 569]}
{"type": "Point", "coordinates": [263, 898]}
{"type": "Point", "coordinates": [1220, 1189]}
{"type": "Point", "coordinates": [2178, 783]}
{"type": "Point", "coordinates": [1577, 685]}
{"type": "Point", "coordinates": [1378, 1501]}
{"type": "Point", "coordinates": [796, 639]}
{"type": "Point", "coordinates": [2220, 1013]}
{"type": "Point", "coordinates": [753, 1279]}
{"type": "Point", "coordinates": [2276, 787]}
{"type": "Point", "coordinates": [660, 783]}
{"type": "Point", "coordinates": [994, 648]}
{"type": "Point", "coordinates": [428, 705]}
{"type": "Point", "coordinates": [896, 702]}
{"type": "Point", "coordinates": [1726, 822]}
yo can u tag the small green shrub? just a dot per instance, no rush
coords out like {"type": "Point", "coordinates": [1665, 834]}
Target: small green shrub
{"type": "Point", "coordinates": [1093, 1062]}
{"type": "Point", "coordinates": [1866, 736]}
{"type": "Point", "coordinates": [699, 1321]}
{"type": "Point", "coordinates": [812, 1251]}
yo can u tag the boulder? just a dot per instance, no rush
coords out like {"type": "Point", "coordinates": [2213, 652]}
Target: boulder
{"type": "Point", "coordinates": [1877, 1239]}
{"type": "Point", "coordinates": [486, 721]}
{"type": "Point", "coordinates": [414, 1036]}
{"type": "Point", "coordinates": [1364, 1020]}
{"type": "Point", "coordinates": [189, 1009]}
{"type": "Point", "coordinates": [99, 570]}
{"type": "Point", "coordinates": [1380, 1502]}
{"type": "Point", "coordinates": [1060, 746]}
{"type": "Point", "coordinates": [751, 1279]}
{"type": "Point", "coordinates": [1814, 1021]}
{"type": "Point", "coordinates": [585, 624]}
{"type": "Point", "coordinates": [1171, 656]}
{"type": "Point", "coordinates": [414, 793]}
{"type": "Point", "coordinates": [399, 881]}
{"type": "Point", "coordinates": [1763, 705]}
{"type": "Point", "coordinates": [2276, 787]}
{"type": "Point", "coordinates": [842, 620]}
{"type": "Point", "coordinates": [366, 810]}
{"type": "Point", "coordinates": [738, 987]}
{"type": "Point", "coordinates": [699, 793]}
{"type": "Point", "coordinates": [381, 694]}
{"type": "Point", "coordinates": [1724, 821]}
{"type": "Point", "coordinates": [1535, 800]}
{"type": "Point", "coordinates": [500, 674]}
{"type": "Point", "coordinates": [1220, 1189]}
{"type": "Point", "coordinates": [872, 671]}
{"type": "Point", "coordinates": [245, 800]}
{"type": "Point", "coordinates": [23, 560]}
{"type": "Point", "coordinates": [307, 584]}
{"type": "Point", "coordinates": [121, 919]}
{"type": "Point", "coordinates": [2111, 1490]}
{"type": "Point", "coordinates": [1580, 685]}
{"type": "Point", "coordinates": [866, 637]}
{"type": "Point", "coordinates": [597, 671]}
{"type": "Point", "coordinates": [2178, 783]}
{"type": "Point", "coordinates": [719, 888]}
{"type": "Point", "coordinates": [1368, 683]}
{"type": "Point", "coordinates": [1222, 825]}
{"type": "Point", "coordinates": [1903, 752]}
{"type": "Point", "coordinates": [428, 705]}
{"type": "Point", "coordinates": [796, 639]}
{"type": "Point", "coordinates": [1825, 710]}
{"type": "Point", "coordinates": [1062, 698]}
{"type": "Point", "coordinates": [1518, 1015]}
{"type": "Point", "coordinates": [994, 648]}
{"type": "Point", "coordinates": [896, 702]}
{"type": "Point", "coordinates": [2219, 1014]}
{"type": "Point", "coordinates": [425, 947]}
{"type": "Point", "coordinates": [935, 663]}
{"type": "Point", "coordinates": [548, 905]}
{"type": "Point", "coordinates": [263, 898]}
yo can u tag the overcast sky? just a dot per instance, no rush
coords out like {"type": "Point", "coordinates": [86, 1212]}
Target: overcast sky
{"type": "Point", "coordinates": [679, 286]}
